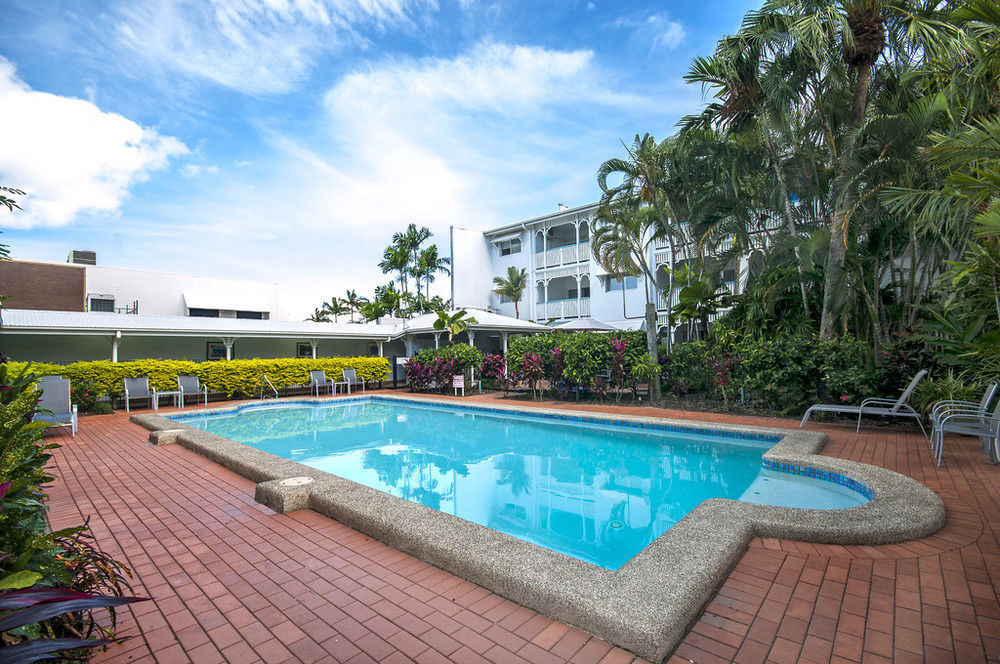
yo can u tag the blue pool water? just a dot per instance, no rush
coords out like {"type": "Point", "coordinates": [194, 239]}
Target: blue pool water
{"type": "Point", "coordinates": [599, 491]}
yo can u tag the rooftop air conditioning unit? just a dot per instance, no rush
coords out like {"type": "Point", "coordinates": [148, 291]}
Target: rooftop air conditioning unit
{"type": "Point", "coordinates": [82, 257]}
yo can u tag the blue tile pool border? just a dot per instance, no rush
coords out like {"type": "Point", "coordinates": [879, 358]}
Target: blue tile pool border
{"type": "Point", "coordinates": [824, 475]}
{"type": "Point", "coordinates": [605, 421]}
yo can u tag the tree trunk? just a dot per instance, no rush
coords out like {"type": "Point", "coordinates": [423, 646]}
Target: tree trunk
{"type": "Point", "coordinates": [517, 314]}
{"type": "Point", "coordinates": [654, 383]}
{"type": "Point", "coordinates": [838, 225]}
{"type": "Point", "coordinates": [790, 218]}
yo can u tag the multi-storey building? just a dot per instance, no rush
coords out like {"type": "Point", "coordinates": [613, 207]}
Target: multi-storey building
{"type": "Point", "coordinates": [564, 280]}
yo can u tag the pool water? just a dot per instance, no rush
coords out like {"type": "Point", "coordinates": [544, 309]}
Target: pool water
{"type": "Point", "coordinates": [600, 492]}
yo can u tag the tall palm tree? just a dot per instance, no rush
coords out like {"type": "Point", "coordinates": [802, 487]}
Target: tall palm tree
{"type": "Point", "coordinates": [396, 258]}
{"type": "Point", "coordinates": [429, 263]}
{"type": "Point", "coordinates": [354, 302]}
{"type": "Point", "coordinates": [336, 307]}
{"type": "Point", "coordinates": [513, 286]}
{"type": "Point", "coordinates": [622, 234]}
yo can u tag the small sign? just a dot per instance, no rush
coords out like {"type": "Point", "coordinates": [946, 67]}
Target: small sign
{"type": "Point", "coordinates": [458, 381]}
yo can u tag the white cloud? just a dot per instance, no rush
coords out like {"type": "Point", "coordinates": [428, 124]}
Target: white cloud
{"type": "Point", "coordinates": [70, 156]}
{"type": "Point", "coordinates": [194, 170]}
{"type": "Point", "coordinates": [252, 46]}
{"type": "Point", "coordinates": [655, 31]}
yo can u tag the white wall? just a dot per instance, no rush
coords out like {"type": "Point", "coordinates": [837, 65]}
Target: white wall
{"type": "Point", "coordinates": [472, 273]}
{"type": "Point", "coordinates": [162, 293]}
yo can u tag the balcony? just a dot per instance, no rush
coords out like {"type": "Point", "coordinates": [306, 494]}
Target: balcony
{"type": "Point", "coordinates": [568, 308]}
{"type": "Point", "coordinates": [559, 256]}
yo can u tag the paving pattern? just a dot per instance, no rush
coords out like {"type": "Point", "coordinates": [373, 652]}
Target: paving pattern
{"type": "Point", "coordinates": [234, 582]}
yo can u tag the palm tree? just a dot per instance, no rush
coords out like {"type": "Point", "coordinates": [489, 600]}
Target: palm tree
{"type": "Point", "coordinates": [513, 286]}
{"type": "Point", "coordinates": [353, 302]}
{"type": "Point", "coordinates": [396, 258]}
{"type": "Point", "coordinates": [319, 315]}
{"type": "Point", "coordinates": [455, 323]}
{"type": "Point", "coordinates": [389, 298]}
{"type": "Point", "coordinates": [336, 308]}
{"type": "Point", "coordinates": [622, 234]}
{"type": "Point", "coordinates": [428, 264]}
{"type": "Point", "coordinates": [853, 42]}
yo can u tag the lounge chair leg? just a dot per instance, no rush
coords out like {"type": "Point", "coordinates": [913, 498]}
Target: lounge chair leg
{"type": "Point", "coordinates": [860, 413]}
{"type": "Point", "coordinates": [805, 417]}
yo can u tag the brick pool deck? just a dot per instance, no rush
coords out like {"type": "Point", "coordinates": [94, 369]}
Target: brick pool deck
{"type": "Point", "coordinates": [234, 582]}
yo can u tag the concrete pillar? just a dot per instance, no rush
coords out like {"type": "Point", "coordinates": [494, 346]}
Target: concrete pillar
{"type": "Point", "coordinates": [380, 351]}
{"type": "Point", "coordinates": [312, 344]}
{"type": "Point", "coordinates": [472, 337]}
{"type": "Point", "coordinates": [503, 338]}
{"type": "Point", "coordinates": [408, 340]}
{"type": "Point", "coordinates": [114, 345]}
{"type": "Point", "coordinates": [228, 342]}
{"type": "Point", "coordinates": [437, 339]}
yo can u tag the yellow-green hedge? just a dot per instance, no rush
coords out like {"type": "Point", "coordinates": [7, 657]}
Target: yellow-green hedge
{"type": "Point", "coordinates": [230, 376]}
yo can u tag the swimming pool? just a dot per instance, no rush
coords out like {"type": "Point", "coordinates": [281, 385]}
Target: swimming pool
{"type": "Point", "coordinates": [597, 490]}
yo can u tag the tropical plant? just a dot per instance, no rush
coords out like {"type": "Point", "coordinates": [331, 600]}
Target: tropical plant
{"type": "Point", "coordinates": [512, 286]}
{"type": "Point", "coordinates": [336, 307]}
{"type": "Point", "coordinates": [454, 323]}
{"type": "Point", "coordinates": [319, 315]}
{"type": "Point", "coordinates": [354, 302]}
{"type": "Point", "coordinates": [428, 264]}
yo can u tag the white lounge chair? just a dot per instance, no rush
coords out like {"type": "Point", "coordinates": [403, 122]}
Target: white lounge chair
{"type": "Point", "coordinates": [139, 388]}
{"type": "Point", "coordinates": [317, 378]}
{"type": "Point", "coordinates": [875, 406]}
{"type": "Point", "coordinates": [348, 378]}
{"type": "Point", "coordinates": [56, 399]}
{"type": "Point", "coordinates": [189, 384]}
{"type": "Point", "coordinates": [970, 419]}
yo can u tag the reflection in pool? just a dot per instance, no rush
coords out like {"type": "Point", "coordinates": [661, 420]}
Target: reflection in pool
{"type": "Point", "coordinates": [598, 491]}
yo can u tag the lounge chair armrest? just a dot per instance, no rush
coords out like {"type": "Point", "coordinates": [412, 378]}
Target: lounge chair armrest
{"type": "Point", "coordinates": [948, 403]}
{"type": "Point", "coordinates": [977, 415]}
{"type": "Point", "coordinates": [961, 410]}
{"type": "Point", "coordinates": [877, 401]}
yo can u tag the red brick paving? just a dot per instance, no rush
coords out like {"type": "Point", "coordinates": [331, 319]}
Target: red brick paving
{"type": "Point", "coordinates": [235, 582]}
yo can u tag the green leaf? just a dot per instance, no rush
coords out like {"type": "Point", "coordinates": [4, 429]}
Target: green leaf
{"type": "Point", "coordinates": [19, 580]}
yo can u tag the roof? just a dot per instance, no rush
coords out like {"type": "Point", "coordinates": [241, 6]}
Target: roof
{"type": "Point", "coordinates": [581, 324]}
{"type": "Point", "coordinates": [485, 320]}
{"type": "Point", "coordinates": [535, 220]}
{"type": "Point", "coordinates": [91, 322]}
{"type": "Point", "coordinates": [96, 322]}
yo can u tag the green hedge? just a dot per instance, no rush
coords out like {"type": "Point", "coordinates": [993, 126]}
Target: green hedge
{"type": "Point", "coordinates": [465, 356]}
{"type": "Point", "coordinates": [786, 374]}
{"type": "Point", "coordinates": [584, 353]}
{"type": "Point", "coordinates": [230, 377]}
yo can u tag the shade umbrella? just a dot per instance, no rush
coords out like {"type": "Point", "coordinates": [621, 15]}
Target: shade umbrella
{"type": "Point", "coordinates": [585, 324]}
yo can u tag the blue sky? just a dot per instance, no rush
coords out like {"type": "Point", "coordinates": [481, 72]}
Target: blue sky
{"type": "Point", "coordinates": [286, 140]}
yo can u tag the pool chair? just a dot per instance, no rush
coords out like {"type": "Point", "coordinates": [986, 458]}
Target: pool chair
{"type": "Point", "coordinates": [969, 419]}
{"type": "Point", "coordinates": [55, 407]}
{"type": "Point", "coordinates": [317, 379]}
{"type": "Point", "coordinates": [349, 378]}
{"type": "Point", "coordinates": [188, 385]}
{"type": "Point", "coordinates": [875, 406]}
{"type": "Point", "coordinates": [139, 388]}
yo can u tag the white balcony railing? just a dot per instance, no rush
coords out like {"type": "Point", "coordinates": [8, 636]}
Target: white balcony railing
{"type": "Point", "coordinates": [568, 255]}
{"type": "Point", "coordinates": [569, 308]}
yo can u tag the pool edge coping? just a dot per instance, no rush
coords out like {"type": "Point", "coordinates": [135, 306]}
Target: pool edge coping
{"type": "Point", "coordinates": [647, 605]}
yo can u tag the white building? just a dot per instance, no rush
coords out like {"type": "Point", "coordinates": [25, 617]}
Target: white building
{"type": "Point", "coordinates": [565, 281]}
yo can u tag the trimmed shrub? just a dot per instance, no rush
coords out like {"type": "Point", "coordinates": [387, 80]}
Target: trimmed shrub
{"type": "Point", "coordinates": [229, 377]}
{"type": "Point", "coordinates": [581, 356]}
{"type": "Point", "coordinates": [465, 356]}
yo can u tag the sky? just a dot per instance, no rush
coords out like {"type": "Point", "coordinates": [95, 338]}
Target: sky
{"type": "Point", "coordinates": [287, 140]}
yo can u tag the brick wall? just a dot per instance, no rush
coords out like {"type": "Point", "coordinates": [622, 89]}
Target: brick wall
{"type": "Point", "coordinates": [43, 286]}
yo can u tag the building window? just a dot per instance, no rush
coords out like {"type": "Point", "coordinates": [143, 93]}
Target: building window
{"type": "Point", "coordinates": [250, 315]}
{"type": "Point", "coordinates": [303, 350]}
{"type": "Point", "coordinates": [204, 313]}
{"type": "Point", "coordinates": [508, 247]}
{"type": "Point", "coordinates": [102, 304]}
{"type": "Point", "coordinates": [616, 284]}
{"type": "Point", "coordinates": [571, 293]}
